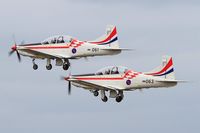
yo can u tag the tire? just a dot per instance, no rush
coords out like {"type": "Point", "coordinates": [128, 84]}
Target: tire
{"type": "Point", "coordinates": [105, 99]}
{"type": "Point", "coordinates": [119, 99]}
{"type": "Point", "coordinates": [49, 67]}
{"type": "Point", "coordinates": [96, 93]}
{"type": "Point", "coordinates": [65, 67]}
{"type": "Point", "coordinates": [35, 66]}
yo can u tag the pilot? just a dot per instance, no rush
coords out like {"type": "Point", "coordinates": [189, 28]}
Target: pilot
{"type": "Point", "coordinates": [115, 70]}
{"type": "Point", "coordinates": [62, 40]}
{"type": "Point", "coordinates": [58, 40]}
{"type": "Point", "coordinates": [53, 41]}
{"type": "Point", "coordinates": [107, 72]}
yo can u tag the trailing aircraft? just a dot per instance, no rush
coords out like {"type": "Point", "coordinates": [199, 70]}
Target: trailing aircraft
{"type": "Point", "coordinates": [117, 79]}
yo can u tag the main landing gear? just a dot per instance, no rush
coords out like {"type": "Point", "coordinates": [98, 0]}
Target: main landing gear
{"type": "Point", "coordinates": [104, 98]}
{"type": "Point", "coordinates": [119, 96]}
{"type": "Point", "coordinates": [119, 99]}
{"type": "Point", "coordinates": [48, 66]}
{"type": "Point", "coordinates": [66, 64]}
{"type": "Point", "coordinates": [35, 66]}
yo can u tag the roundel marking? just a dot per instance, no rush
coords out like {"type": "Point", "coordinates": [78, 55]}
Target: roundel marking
{"type": "Point", "coordinates": [74, 50]}
{"type": "Point", "coordinates": [128, 82]}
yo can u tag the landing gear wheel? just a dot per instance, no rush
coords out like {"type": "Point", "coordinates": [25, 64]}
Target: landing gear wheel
{"type": "Point", "coordinates": [105, 99]}
{"type": "Point", "coordinates": [35, 66]}
{"type": "Point", "coordinates": [96, 93]}
{"type": "Point", "coordinates": [119, 99]}
{"type": "Point", "coordinates": [65, 66]}
{"type": "Point", "coordinates": [49, 67]}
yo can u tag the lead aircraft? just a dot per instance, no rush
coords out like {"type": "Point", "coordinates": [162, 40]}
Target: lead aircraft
{"type": "Point", "coordinates": [62, 48]}
{"type": "Point", "coordinates": [117, 79]}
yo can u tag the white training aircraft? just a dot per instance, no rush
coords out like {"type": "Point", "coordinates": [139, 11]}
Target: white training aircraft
{"type": "Point", "coordinates": [62, 48]}
{"type": "Point", "coordinates": [116, 80]}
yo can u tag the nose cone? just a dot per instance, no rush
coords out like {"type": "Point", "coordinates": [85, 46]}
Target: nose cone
{"type": "Point", "coordinates": [14, 47]}
{"type": "Point", "coordinates": [66, 78]}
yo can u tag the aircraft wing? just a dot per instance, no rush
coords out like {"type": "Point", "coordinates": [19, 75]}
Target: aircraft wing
{"type": "Point", "coordinates": [44, 55]}
{"type": "Point", "coordinates": [92, 86]}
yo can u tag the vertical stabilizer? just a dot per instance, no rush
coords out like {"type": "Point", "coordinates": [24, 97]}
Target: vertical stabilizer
{"type": "Point", "coordinates": [165, 70]}
{"type": "Point", "coordinates": [110, 38]}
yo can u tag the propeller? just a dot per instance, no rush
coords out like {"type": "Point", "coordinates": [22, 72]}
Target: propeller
{"type": "Point", "coordinates": [69, 84]}
{"type": "Point", "coordinates": [14, 49]}
{"type": "Point", "coordinates": [69, 87]}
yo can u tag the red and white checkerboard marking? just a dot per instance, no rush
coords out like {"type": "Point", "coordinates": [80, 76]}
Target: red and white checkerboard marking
{"type": "Point", "coordinates": [76, 43]}
{"type": "Point", "coordinates": [131, 74]}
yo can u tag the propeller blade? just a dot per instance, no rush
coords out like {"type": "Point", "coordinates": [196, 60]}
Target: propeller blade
{"type": "Point", "coordinates": [69, 88]}
{"type": "Point", "coordinates": [11, 52]}
{"type": "Point", "coordinates": [18, 56]}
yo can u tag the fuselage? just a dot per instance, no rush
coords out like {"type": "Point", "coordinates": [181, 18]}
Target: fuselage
{"type": "Point", "coordinates": [123, 81]}
{"type": "Point", "coordinates": [81, 49]}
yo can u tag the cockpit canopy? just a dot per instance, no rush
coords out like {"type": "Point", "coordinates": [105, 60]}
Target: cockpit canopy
{"type": "Point", "coordinates": [57, 39]}
{"type": "Point", "coordinates": [112, 70]}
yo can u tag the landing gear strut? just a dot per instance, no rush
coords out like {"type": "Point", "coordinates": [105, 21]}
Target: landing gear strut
{"type": "Point", "coordinates": [35, 66]}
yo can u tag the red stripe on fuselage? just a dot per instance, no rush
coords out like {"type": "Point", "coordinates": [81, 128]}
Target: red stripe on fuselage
{"type": "Point", "coordinates": [118, 78]}
{"type": "Point", "coordinates": [74, 44]}
{"type": "Point", "coordinates": [49, 47]}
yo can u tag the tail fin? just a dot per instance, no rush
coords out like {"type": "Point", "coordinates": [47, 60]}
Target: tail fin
{"type": "Point", "coordinates": [165, 70]}
{"type": "Point", "coordinates": [109, 38]}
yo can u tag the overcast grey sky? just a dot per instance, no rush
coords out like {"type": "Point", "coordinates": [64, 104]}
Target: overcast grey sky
{"type": "Point", "coordinates": [36, 101]}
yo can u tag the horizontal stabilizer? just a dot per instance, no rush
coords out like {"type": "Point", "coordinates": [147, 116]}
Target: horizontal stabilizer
{"type": "Point", "coordinates": [172, 81]}
{"type": "Point", "coordinates": [118, 49]}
